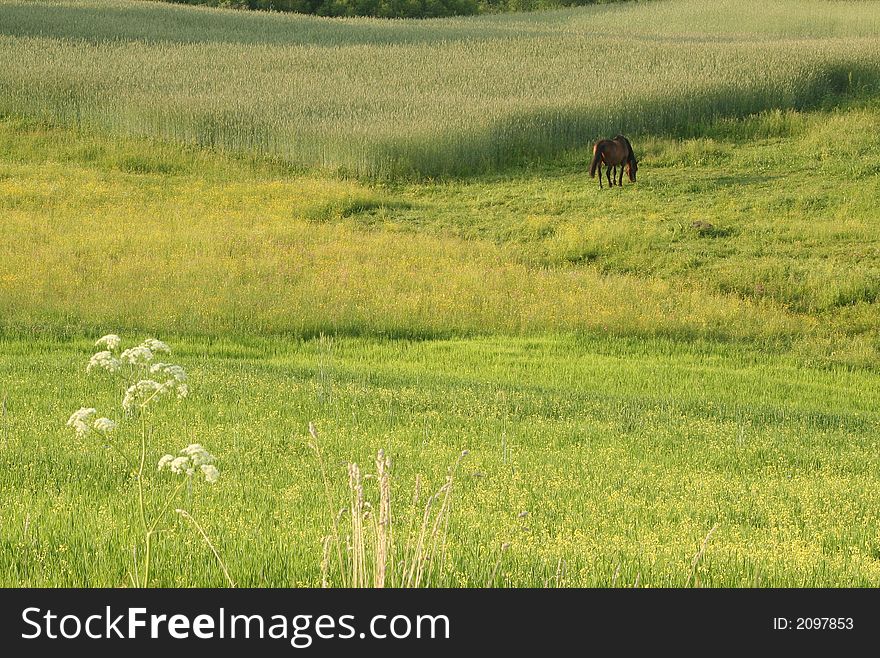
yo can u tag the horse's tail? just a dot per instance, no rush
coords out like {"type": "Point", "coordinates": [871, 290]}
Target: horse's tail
{"type": "Point", "coordinates": [597, 155]}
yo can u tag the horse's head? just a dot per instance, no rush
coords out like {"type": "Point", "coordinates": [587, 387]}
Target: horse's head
{"type": "Point", "coordinates": [631, 168]}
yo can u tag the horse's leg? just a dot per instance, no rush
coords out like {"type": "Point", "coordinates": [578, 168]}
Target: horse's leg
{"type": "Point", "coordinates": [620, 181]}
{"type": "Point", "coordinates": [608, 174]}
{"type": "Point", "coordinates": [600, 173]}
{"type": "Point", "coordinates": [614, 173]}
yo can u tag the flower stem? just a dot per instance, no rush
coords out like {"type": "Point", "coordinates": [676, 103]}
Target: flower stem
{"type": "Point", "coordinates": [168, 502]}
{"type": "Point", "coordinates": [187, 516]}
{"type": "Point", "coordinates": [152, 529]}
{"type": "Point", "coordinates": [141, 506]}
{"type": "Point", "coordinates": [149, 542]}
{"type": "Point", "coordinates": [140, 473]}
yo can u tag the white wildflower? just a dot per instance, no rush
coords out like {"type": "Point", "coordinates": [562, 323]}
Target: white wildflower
{"type": "Point", "coordinates": [211, 473]}
{"type": "Point", "coordinates": [110, 341]}
{"type": "Point", "coordinates": [198, 454]}
{"type": "Point", "coordinates": [182, 391]}
{"type": "Point", "coordinates": [176, 373]}
{"type": "Point", "coordinates": [104, 425]}
{"type": "Point", "coordinates": [193, 457]}
{"type": "Point", "coordinates": [79, 420]}
{"type": "Point", "coordinates": [156, 345]}
{"type": "Point", "coordinates": [141, 392]}
{"type": "Point", "coordinates": [104, 360]}
{"type": "Point", "coordinates": [137, 356]}
{"type": "Point", "coordinates": [180, 465]}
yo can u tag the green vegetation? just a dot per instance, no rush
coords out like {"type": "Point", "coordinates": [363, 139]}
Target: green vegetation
{"type": "Point", "coordinates": [394, 8]}
{"type": "Point", "coordinates": [754, 409]}
{"type": "Point", "coordinates": [624, 453]}
{"type": "Point", "coordinates": [783, 251]}
{"type": "Point", "coordinates": [630, 367]}
{"type": "Point", "coordinates": [452, 96]}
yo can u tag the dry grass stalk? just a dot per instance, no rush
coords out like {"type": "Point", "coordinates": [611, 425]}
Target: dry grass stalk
{"type": "Point", "coordinates": [316, 448]}
{"type": "Point", "coordinates": [358, 545]}
{"type": "Point", "coordinates": [423, 557]}
{"type": "Point", "coordinates": [370, 558]}
{"type": "Point", "coordinates": [204, 535]}
{"type": "Point", "coordinates": [491, 581]}
{"type": "Point", "coordinates": [699, 556]}
{"type": "Point", "coordinates": [384, 538]}
{"type": "Point", "coordinates": [560, 572]}
{"type": "Point", "coordinates": [325, 562]}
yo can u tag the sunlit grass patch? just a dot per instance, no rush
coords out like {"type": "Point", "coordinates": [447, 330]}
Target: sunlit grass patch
{"type": "Point", "coordinates": [250, 251]}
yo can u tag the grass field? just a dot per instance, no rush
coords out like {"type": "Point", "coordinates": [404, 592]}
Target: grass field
{"type": "Point", "coordinates": [423, 98]}
{"type": "Point", "coordinates": [629, 367]}
{"type": "Point", "coordinates": [131, 235]}
{"type": "Point", "coordinates": [624, 453]}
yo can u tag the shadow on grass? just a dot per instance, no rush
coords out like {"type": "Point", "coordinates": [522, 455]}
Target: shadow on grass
{"type": "Point", "coordinates": [521, 146]}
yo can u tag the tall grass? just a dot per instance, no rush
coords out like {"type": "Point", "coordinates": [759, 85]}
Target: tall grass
{"type": "Point", "coordinates": [369, 546]}
{"type": "Point", "coordinates": [437, 97]}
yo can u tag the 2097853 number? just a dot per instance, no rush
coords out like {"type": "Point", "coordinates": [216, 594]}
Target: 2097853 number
{"type": "Point", "coordinates": [822, 623]}
{"type": "Point", "coordinates": [813, 624]}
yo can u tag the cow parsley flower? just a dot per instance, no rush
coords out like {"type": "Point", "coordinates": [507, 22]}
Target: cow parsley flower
{"type": "Point", "coordinates": [211, 473]}
{"type": "Point", "coordinates": [104, 360]}
{"type": "Point", "coordinates": [141, 392]}
{"type": "Point", "coordinates": [193, 457]}
{"type": "Point", "coordinates": [156, 346]}
{"type": "Point", "coordinates": [110, 341]}
{"type": "Point", "coordinates": [137, 356]}
{"type": "Point", "coordinates": [182, 391]}
{"type": "Point", "coordinates": [79, 420]}
{"type": "Point", "coordinates": [181, 465]}
{"type": "Point", "coordinates": [198, 454]}
{"type": "Point", "coordinates": [176, 373]}
{"type": "Point", "coordinates": [104, 425]}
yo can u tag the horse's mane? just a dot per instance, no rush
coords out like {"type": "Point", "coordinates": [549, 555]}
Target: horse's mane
{"type": "Point", "coordinates": [632, 155]}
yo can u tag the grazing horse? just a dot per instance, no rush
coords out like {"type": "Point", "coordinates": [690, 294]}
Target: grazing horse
{"type": "Point", "coordinates": [611, 153]}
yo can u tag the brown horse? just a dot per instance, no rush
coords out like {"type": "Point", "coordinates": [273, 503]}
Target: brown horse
{"type": "Point", "coordinates": [613, 153]}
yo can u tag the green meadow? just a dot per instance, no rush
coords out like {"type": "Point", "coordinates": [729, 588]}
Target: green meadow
{"type": "Point", "coordinates": [624, 454]}
{"type": "Point", "coordinates": [672, 383]}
